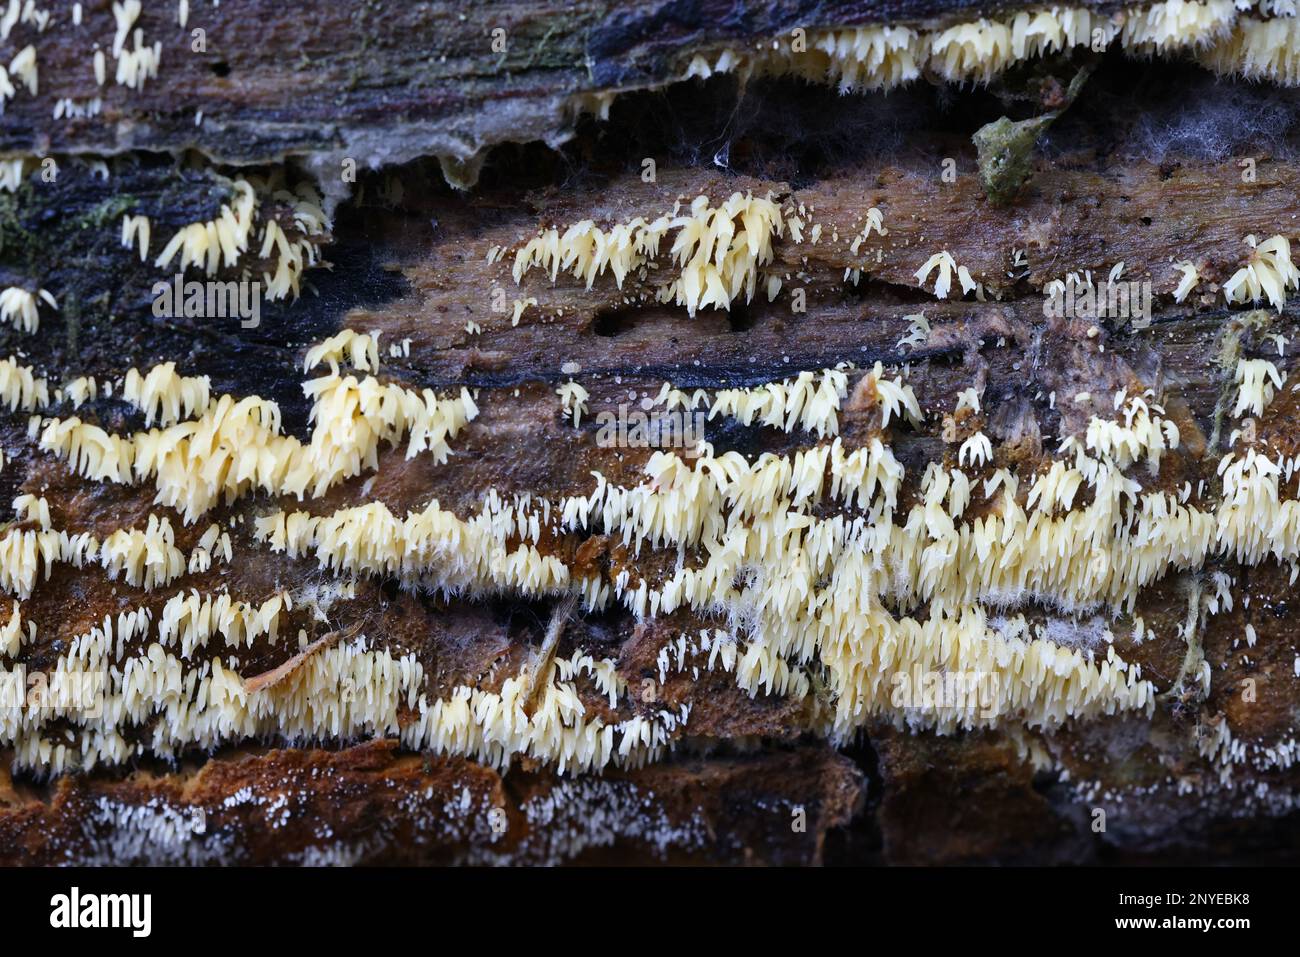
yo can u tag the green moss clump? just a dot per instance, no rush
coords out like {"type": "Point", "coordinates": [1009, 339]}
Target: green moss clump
{"type": "Point", "coordinates": [1006, 155]}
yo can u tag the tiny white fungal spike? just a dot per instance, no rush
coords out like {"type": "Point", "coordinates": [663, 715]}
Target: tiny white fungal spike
{"type": "Point", "coordinates": [24, 67]}
{"type": "Point", "coordinates": [968, 399]}
{"type": "Point", "coordinates": [519, 306]}
{"type": "Point", "coordinates": [946, 266]}
{"type": "Point", "coordinates": [573, 400]}
{"type": "Point", "coordinates": [135, 231]}
{"type": "Point", "coordinates": [1190, 277]}
{"type": "Point", "coordinates": [978, 449]}
{"type": "Point", "coordinates": [918, 332]}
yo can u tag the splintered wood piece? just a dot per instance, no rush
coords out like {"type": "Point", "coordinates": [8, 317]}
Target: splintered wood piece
{"type": "Point", "coordinates": [268, 679]}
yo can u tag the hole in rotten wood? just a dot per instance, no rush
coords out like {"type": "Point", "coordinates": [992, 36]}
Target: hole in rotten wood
{"type": "Point", "coordinates": [739, 317]}
{"type": "Point", "coordinates": [613, 322]}
{"type": "Point", "coordinates": [221, 68]}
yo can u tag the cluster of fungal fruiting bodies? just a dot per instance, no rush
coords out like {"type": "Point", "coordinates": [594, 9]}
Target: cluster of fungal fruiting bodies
{"type": "Point", "coordinates": [234, 446]}
{"type": "Point", "coordinates": [222, 242]}
{"type": "Point", "coordinates": [1257, 41]}
{"type": "Point", "coordinates": [809, 569]}
{"type": "Point", "coordinates": [719, 254]}
{"type": "Point", "coordinates": [797, 593]}
{"type": "Point", "coordinates": [144, 558]}
{"type": "Point", "coordinates": [716, 251]}
{"type": "Point", "coordinates": [20, 307]}
{"type": "Point", "coordinates": [813, 571]}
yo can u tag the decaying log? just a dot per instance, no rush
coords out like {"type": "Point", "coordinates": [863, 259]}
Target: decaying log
{"type": "Point", "coordinates": [1148, 169]}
